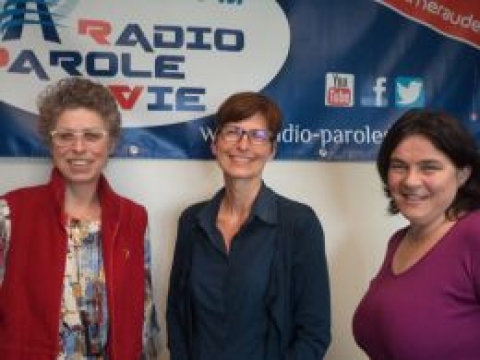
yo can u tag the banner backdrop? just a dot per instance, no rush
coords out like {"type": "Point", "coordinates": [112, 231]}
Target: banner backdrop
{"type": "Point", "coordinates": [342, 71]}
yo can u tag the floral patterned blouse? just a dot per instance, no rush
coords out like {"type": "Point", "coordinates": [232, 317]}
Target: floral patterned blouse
{"type": "Point", "coordinates": [83, 328]}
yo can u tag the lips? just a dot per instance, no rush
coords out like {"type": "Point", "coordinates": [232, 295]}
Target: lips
{"type": "Point", "coordinates": [241, 159]}
{"type": "Point", "coordinates": [413, 197]}
{"type": "Point", "coordinates": [80, 164]}
{"type": "Point", "coordinates": [409, 199]}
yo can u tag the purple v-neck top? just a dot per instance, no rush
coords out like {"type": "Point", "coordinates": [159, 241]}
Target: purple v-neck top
{"type": "Point", "coordinates": [430, 311]}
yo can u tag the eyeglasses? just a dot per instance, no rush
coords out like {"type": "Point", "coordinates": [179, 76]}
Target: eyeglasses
{"type": "Point", "coordinates": [67, 137]}
{"type": "Point", "coordinates": [234, 134]}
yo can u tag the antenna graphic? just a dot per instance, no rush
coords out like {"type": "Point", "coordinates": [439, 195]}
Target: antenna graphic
{"type": "Point", "coordinates": [18, 13]}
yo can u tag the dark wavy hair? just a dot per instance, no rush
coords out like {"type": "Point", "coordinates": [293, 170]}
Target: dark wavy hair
{"type": "Point", "coordinates": [242, 105]}
{"type": "Point", "coordinates": [73, 93]}
{"type": "Point", "coordinates": [449, 136]}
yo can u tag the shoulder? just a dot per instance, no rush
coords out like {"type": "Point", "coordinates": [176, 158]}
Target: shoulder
{"type": "Point", "coordinates": [134, 209]}
{"type": "Point", "coordinates": [470, 219]}
{"type": "Point", "coordinates": [4, 210]}
{"type": "Point", "coordinates": [398, 235]}
{"type": "Point", "coordinates": [186, 226]}
{"type": "Point", "coordinates": [299, 225]}
{"type": "Point", "coordinates": [132, 204]}
{"type": "Point", "coordinates": [468, 227]}
{"type": "Point", "coordinates": [110, 198]}
{"type": "Point", "coordinates": [28, 196]}
{"type": "Point", "coordinates": [465, 242]}
{"type": "Point", "coordinates": [26, 191]}
{"type": "Point", "coordinates": [127, 210]}
{"type": "Point", "coordinates": [395, 239]}
{"type": "Point", "coordinates": [294, 210]}
{"type": "Point", "coordinates": [192, 211]}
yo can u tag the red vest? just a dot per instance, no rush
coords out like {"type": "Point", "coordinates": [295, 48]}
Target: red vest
{"type": "Point", "coordinates": [31, 292]}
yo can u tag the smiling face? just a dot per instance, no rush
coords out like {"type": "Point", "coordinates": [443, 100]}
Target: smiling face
{"type": "Point", "coordinates": [423, 181]}
{"type": "Point", "coordinates": [82, 159]}
{"type": "Point", "coordinates": [243, 159]}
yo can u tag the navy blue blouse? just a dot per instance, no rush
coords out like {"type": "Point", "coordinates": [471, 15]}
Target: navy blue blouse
{"type": "Point", "coordinates": [229, 289]}
{"type": "Point", "coordinates": [267, 299]}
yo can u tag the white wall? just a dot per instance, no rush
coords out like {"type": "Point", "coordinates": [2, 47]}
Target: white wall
{"type": "Point", "coordinates": [346, 196]}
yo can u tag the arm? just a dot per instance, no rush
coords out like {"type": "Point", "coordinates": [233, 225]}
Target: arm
{"type": "Point", "coordinates": [475, 261]}
{"type": "Point", "coordinates": [4, 236]}
{"type": "Point", "coordinates": [151, 329]}
{"type": "Point", "coordinates": [311, 291]}
{"type": "Point", "coordinates": [176, 300]}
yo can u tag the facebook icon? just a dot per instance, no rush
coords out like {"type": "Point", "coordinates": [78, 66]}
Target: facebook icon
{"type": "Point", "coordinates": [380, 89]}
{"type": "Point", "coordinates": [376, 95]}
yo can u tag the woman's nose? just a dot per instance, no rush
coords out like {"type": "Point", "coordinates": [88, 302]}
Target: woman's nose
{"type": "Point", "coordinates": [412, 177]}
{"type": "Point", "coordinates": [79, 142]}
{"type": "Point", "coordinates": [244, 141]}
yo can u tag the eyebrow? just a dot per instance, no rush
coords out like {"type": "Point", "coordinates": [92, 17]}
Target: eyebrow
{"type": "Point", "coordinates": [423, 161]}
{"type": "Point", "coordinates": [82, 129]}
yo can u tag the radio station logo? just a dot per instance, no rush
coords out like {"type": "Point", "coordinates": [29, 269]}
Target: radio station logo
{"type": "Point", "coordinates": [409, 92]}
{"type": "Point", "coordinates": [162, 70]}
{"type": "Point", "coordinates": [339, 90]}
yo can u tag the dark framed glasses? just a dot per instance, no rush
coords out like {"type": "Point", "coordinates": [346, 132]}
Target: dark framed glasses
{"type": "Point", "coordinates": [233, 134]}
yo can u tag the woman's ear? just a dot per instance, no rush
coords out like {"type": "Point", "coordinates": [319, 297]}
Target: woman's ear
{"type": "Point", "coordinates": [213, 147]}
{"type": "Point", "coordinates": [463, 174]}
{"type": "Point", "coordinates": [273, 152]}
{"type": "Point", "coordinates": [112, 147]}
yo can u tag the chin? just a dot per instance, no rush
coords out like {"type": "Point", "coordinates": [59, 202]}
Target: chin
{"type": "Point", "coordinates": [242, 175]}
{"type": "Point", "coordinates": [80, 178]}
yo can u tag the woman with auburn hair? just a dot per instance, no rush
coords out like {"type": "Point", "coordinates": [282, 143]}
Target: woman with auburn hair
{"type": "Point", "coordinates": [249, 278]}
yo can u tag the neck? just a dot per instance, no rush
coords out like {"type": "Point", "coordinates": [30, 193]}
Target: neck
{"type": "Point", "coordinates": [424, 233]}
{"type": "Point", "coordinates": [235, 208]}
{"type": "Point", "coordinates": [81, 201]}
{"type": "Point", "coordinates": [239, 196]}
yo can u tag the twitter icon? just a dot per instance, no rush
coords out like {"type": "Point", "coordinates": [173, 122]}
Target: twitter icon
{"type": "Point", "coordinates": [409, 92]}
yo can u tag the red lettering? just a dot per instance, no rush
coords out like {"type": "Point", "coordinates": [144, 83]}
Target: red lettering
{"type": "Point", "coordinates": [98, 30]}
{"type": "Point", "coordinates": [4, 58]}
{"type": "Point", "coordinates": [125, 96]}
{"type": "Point", "coordinates": [339, 97]}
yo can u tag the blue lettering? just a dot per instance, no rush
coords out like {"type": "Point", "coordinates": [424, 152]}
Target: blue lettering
{"type": "Point", "coordinates": [188, 99]}
{"type": "Point", "coordinates": [26, 62]}
{"type": "Point", "coordinates": [167, 66]}
{"type": "Point", "coordinates": [129, 72]}
{"type": "Point", "coordinates": [166, 98]}
{"type": "Point", "coordinates": [67, 60]}
{"type": "Point", "coordinates": [162, 33]}
{"type": "Point", "coordinates": [93, 60]}
{"type": "Point", "coordinates": [236, 37]}
{"type": "Point", "coordinates": [160, 93]}
{"type": "Point", "coordinates": [199, 38]}
{"type": "Point", "coordinates": [133, 35]}
{"type": "Point", "coordinates": [176, 37]}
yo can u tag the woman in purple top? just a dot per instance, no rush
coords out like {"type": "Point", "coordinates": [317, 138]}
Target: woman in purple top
{"type": "Point", "coordinates": [424, 302]}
